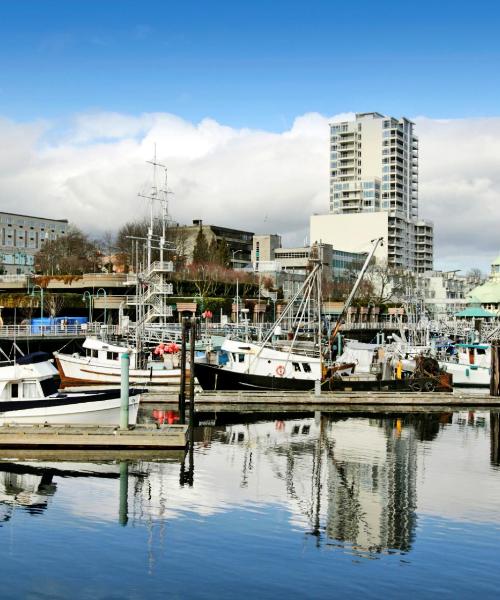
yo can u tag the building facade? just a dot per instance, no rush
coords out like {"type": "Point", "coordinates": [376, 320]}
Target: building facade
{"type": "Point", "coordinates": [22, 236]}
{"type": "Point", "coordinates": [488, 293]}
{"type": "Point", "coordinates": [373, 169]}
{"type": "Point", "coordinates": [239, 242]}
{"type": "Point", "coordinates": [268, 255]}
{"type": "Point", "coordinates": [264, 247]}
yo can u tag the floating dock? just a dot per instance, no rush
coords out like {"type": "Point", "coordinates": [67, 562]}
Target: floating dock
{"type": "Point", "coordinates": [140, 437]}
{"type": "Point", "coordinates": [421, 399]}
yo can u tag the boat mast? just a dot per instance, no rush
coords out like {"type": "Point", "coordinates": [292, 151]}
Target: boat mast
{"type": "Point", "coordinates": [349, 300]}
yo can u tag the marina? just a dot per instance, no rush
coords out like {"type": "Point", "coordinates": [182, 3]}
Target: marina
{"type": "Point", "coordinates": [249, 300]}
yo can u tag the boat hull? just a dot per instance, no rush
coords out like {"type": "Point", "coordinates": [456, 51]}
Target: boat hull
{"type": "Point", "coordinates": [91, 408]}
{"type": "Point", "coordinates": [78, 370]}
{"type": "Point", "coordinates": [212, 378]}
{"type": "Point", "coordinates": [466, 375]}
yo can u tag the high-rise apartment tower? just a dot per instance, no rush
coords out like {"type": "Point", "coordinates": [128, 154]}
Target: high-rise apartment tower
{"type": "Point", "coordinates": [374, 169]}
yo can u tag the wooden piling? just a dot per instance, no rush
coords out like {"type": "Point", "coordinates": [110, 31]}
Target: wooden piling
{"type": "Point", "coordinates": [192, 339]}
{"type": "Point", "coordinates": [182, 391]}
{"type": "Point", "coordinates": [495, 369]}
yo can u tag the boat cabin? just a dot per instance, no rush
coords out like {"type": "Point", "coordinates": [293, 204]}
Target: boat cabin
{"type": "Point", "coordinates": [31, 377]}
{"type": "Point", "coordinates": [242, 357]}
{"type": "Point", "coordinates": [110, 354]}
{"type": "Point", "coordinates": [473, 355]}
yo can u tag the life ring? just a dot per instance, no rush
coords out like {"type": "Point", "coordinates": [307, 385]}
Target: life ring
{"type": "Point", "coordinates": [280, 370]}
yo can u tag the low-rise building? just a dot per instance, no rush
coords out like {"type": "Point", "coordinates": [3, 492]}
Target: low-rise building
{"type": "Point", "coordinates": [488, 293]}
{"type": "Point", "coordinates": [239, 242]}
{"type": "Point", "coordinates": [22, 236]}
{"type": "Point", "coordinates": [444, 293]}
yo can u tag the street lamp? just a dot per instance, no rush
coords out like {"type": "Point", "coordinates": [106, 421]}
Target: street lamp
{"type": "Point", "coordinates": [234, 252]}
{"type": "Point", "coordinates": [87, 297]}
{"type": "Point", "coordinates": [105, 301]}
{"type": "Point", "coordinates": [33, 289]}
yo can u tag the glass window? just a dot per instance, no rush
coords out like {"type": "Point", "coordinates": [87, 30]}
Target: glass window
{"type": "Point", "coordinates": [30, 389]}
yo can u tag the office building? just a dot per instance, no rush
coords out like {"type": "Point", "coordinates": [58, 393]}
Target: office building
{"type": "Point", "coordinates": [22, 236]}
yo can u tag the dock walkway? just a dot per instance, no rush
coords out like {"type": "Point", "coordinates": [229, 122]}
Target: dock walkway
{"type": "Point", "coordinates": [145, 437]}
{"type": "Point", "coordinates": [347, 398]}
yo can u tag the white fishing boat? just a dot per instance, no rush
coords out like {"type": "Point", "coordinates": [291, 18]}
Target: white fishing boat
{"type": "Point", "coordinates": [101, 364]}
{"type": "Point", "coordinates": [470, 365]}
{"type": "Point", "coordinates": [29, 395]}
{"type": "Point", "coordinates": [264, 366]}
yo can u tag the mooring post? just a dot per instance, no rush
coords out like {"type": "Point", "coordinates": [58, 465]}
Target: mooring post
{"type": "Point", "coordinates": [123, 513]}
{"type": "Point", "coordinates": [192, 339]}
{"type": "Point", "coordinates": [495, 369]}
{"type": "Point", "coordinates": [317, 388]}
{"type": "Point", "coordinates": [182, 391]}
{"type": "Point", "coordinates": [124, 390]}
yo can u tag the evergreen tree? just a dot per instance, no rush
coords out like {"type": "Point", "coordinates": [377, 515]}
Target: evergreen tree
{"type": "Point", "coordinates": [223, 254]}
{"type": "Point", "coordinates": [201, 252]}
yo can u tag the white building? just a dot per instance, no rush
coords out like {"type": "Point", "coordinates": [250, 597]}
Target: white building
{"type": "Point", "coordinates": [374, 173]}
{"type": "Point", "coordinates": [444, 292]}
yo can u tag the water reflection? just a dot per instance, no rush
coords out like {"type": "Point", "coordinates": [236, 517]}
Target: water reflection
{"type": "Point", "coordinates": [343, 481]}
{"type": "Point", "coordinates": [495, 438]}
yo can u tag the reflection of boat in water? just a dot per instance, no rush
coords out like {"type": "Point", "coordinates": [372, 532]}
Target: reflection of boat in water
{"type": "Point", "coordinates": [25, 488]}
{"type": "Point", "coordinates": [29, 484]}
{"type": "Point", "coordinates": [28, 395]}
{"type": "Point", "coordinates": [351, 481]}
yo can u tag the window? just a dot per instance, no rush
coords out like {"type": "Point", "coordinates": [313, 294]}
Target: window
{"type": "Point", "coordinates": [306, 367]}
{"type": "Point", "coordinates": [296, 366]}
{"type": "Point", "coordinates": [29, 389]}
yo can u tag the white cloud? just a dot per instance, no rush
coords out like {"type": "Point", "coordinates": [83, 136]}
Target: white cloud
{"type": "Point", "coordinates": [91, 169]}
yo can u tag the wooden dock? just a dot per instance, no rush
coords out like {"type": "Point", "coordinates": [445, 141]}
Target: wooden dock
{"type": "Point", "coordinates": [140, 437]}
{"type": "Point", "coordinates": [391, 399]}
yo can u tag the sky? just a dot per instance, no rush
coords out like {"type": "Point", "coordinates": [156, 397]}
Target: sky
{"type": "Point", "coordinates": [237, 97]}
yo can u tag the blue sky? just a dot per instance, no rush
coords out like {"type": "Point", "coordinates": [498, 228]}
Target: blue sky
{"type": "Point", "coordinates": [80, 81]}
{"type": "Point", "coordinates": [256, 64]}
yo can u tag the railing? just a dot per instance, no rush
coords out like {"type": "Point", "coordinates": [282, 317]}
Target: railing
{"type": "Point", "coordinates": [55, 330]}
{"type": "Point", "coordinates": [167, 266]}
{"type": "Point", "coordinates": [11, 278]}
{"type": "Point", "coordinates": [373, 325]}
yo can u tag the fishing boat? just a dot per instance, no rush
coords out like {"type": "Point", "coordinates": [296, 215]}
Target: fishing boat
{"type": "Point", "coordinates": [101, 364]}
{"type": "Point", "coordinates": [469, 365]}
{"type": "Point", "coordinates": [29, 395]}
{"type": "Point", "coordinates": [275, 365]}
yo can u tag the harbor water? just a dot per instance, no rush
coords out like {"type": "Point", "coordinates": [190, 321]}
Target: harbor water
{"type": "Point", "coordinates": [304, 505]}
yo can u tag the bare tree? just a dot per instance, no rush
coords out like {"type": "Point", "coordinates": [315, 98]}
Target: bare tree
{"type": "Point", "coordinates": [71, 254]}
{"type": "Point", "coordinates": [53, 303]}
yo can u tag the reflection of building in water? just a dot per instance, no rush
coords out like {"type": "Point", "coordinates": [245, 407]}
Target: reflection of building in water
{"type": "Point", "coordinates": [371, 484]}
{"type": "Point", "coordinates": [352, 479]}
